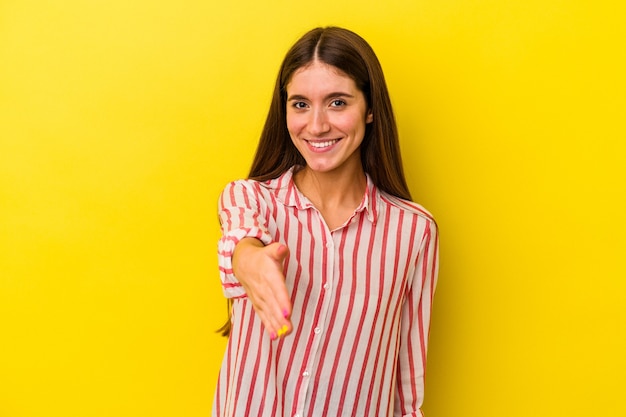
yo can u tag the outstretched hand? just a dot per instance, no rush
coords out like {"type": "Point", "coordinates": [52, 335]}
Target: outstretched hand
{"type": "Point", "coordinates": [259, 269]}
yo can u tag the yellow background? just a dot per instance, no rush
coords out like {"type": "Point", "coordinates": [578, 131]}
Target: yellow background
{"type": "Point", "coordinates": [120, 122]}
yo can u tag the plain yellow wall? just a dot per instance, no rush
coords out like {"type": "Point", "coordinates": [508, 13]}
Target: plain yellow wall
{"type": "Point", "coordinates": [120, 122]}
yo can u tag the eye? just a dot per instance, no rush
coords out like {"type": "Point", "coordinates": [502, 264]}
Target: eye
{"type": "Point", "coordinates": [337, 103]}
{"type": "Point", "coordinates": [299, 105]}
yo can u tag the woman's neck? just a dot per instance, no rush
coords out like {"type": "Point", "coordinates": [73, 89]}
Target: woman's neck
{"type": "Point", "coordinates": [335, 194]}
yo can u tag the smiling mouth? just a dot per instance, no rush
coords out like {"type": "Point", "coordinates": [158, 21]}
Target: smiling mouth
{"type": "Point", "coordinates": [322, 144]}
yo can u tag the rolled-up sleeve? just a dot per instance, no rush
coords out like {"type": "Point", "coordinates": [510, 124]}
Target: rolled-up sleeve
{"type": "Point", "coordinates": [240, 216]}
{"type": "Point", "coordinates": [415, 327]}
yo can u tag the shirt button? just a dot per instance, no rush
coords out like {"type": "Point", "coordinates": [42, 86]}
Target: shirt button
{"type": "Point", "coordinates": [326, 286]}
{"type": "Point", "coordinates": [317, 330]}
{"type": "Point", "coordinates": [329, 245]}
{"type": "Point", "coordinates": [305, 374]}
{"type": "Point", "coordinates": [296, 415]}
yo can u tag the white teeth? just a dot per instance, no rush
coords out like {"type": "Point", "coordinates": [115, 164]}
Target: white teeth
{"type": "Point", "coordinates": [323, 144]}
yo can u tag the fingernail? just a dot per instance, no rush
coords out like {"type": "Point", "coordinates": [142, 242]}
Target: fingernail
{"type": "Point", "coordinates": [283, 330]}
{"type": "Point", "coordinates": [273, 336]}
{"type": "Point", "coordinates": [285, 313]}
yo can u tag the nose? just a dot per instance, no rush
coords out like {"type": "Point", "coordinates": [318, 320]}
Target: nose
{"type": "Point", "coordinates": [318, 122]}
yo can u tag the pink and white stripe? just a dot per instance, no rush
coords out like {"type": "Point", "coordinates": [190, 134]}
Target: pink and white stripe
{"type": "Point", "coordinates": [362, 297]}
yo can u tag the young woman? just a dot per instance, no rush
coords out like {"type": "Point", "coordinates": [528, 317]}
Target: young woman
{"type": "Point", "coordinates": [330, 268]}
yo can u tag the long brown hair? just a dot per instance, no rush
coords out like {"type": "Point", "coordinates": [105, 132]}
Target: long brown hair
{"type": "Point", "coordinates": [380, 149]}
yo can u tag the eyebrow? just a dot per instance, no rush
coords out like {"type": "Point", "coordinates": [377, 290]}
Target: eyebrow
{"type": "Point", "coordinates": [326, 97]}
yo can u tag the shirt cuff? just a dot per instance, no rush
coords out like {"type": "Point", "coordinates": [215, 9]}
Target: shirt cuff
{"type": "Point", "coordinates": [225, 249]}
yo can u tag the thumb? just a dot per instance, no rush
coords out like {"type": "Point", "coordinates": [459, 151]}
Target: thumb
{"type": "Point", "coordinates": [279, 252]}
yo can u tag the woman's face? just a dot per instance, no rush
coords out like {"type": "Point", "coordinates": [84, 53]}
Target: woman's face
{"type": "Point", "coordinates": [326, 117]}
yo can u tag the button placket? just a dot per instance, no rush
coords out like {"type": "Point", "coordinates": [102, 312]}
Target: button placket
{"type": "Point", "coordinates": [326, 278]}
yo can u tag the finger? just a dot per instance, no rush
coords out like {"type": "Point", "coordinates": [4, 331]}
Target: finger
{"type": "Point", "coordinates": [279, 253]}
{"type": "Point", "coordinates": [275, 318]}
{"type": "Point", "coordinates": [265, 312]}
{"type": "Point", "coordinates": [275, 314]}
{"type": "Point", "coordinates": [272, 315]}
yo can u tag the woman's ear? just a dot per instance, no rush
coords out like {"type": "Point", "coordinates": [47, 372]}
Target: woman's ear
{"type": "Point", "coordinates": [369, 118]}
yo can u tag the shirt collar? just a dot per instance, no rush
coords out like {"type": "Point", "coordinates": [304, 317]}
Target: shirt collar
{"type": "Point", "coordinates": [287, 193]}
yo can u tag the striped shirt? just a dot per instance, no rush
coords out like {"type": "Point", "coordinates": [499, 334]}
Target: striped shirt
{"type": "Point", "coordinates": [361, 297]}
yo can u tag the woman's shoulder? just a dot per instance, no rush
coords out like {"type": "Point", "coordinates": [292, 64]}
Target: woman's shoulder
{"type": "Point", "coordinates": [245, 186]}
{"type": "Point", "coordinates": [407, 206]}
{"type": "Point", "coordinates": [253, 186]}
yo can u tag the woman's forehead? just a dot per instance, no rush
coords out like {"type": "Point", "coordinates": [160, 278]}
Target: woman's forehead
{"type": "Point", "coordinates": [317, 76]}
